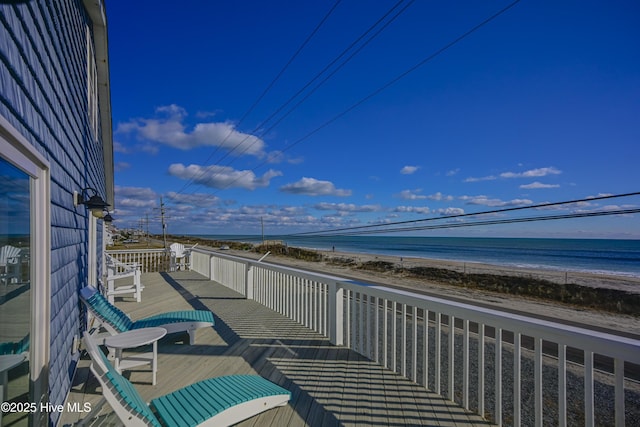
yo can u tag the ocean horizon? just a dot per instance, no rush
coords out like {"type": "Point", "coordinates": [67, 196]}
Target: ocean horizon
{"type": "Point", "coordinates": [604, 256]}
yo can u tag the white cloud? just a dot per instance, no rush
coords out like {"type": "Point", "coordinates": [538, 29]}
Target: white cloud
{"type": "Point", "coordinates": [119, 148]}
{"type": "Point", "coordinates": [408, 170]}
{"type": "Point", "coordinates": [486, 201]}
{"type": "Point", "coordinates": [120, 166]}
{"type": "Point", "coordinates": [314, 187]}
{"type": "Point", "coordinates": [532, 173]}
{"type": "Point", "coordinates": [135, 197]}
{"type": "Point", "coordinates": [453, 172]}
{"type": "Point", "coordinates": [422, 210]}
{"type": "Point", "coordinates": [222, 177]}
{"type": "Point", "coordinates": [439, 197]}
{"type": "Point", "coordinates": [599, 195]}
{"type": "Point", "coordinates": [537, 185]}
{"type": "Point", "coordinates": [411, 194]}
{"type": "Point", "coordinates": [200, 200]}
{"type": "Point", "coordinates": [449, 211]}
{"type": "Point", "coordinates": [346, 207]}
{"type": "Point", "coordinates": [170, 130]}
{"type": "Point", "coordinates": [484, 178]}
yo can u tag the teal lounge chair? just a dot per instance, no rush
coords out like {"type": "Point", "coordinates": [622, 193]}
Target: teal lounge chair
{"type": "Point", "coordinates": [218, 401]}
{"type": "Point", "coordinates": [115, 321]}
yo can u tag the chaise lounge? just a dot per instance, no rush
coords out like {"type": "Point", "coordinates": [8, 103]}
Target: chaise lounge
{"type": "Point", "coordinates": [116, 321]}
{"type": "Point", "coordinates": [218, 401]}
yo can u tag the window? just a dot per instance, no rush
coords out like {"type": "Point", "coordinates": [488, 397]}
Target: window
{"type": "Point", "coordinates": [24, 272]}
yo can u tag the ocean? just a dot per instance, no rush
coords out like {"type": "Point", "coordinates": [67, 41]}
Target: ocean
{"type": "Point", "coordinates": [620, 257]}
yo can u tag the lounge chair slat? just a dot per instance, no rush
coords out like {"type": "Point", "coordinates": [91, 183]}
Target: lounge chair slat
{"type": "Point", "coordinates": [216, 395]}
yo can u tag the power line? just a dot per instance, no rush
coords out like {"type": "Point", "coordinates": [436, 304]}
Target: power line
{"type": "Point", "coordinates": [468, 224]}
{"type": "Point", "coordinates": [456, 216]}
{"type": "Point", "coordinates": [266, 90]}
{"type": "Point", "coordinates": [263, 123]}
{"type": "Point", "coordinates": [382, 88]}
{"type": "Point", "coordinates": [335, 60]}
{"type": "Point", "coordinates": [490, 222]}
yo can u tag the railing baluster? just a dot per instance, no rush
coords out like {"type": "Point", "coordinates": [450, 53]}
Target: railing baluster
{"type": "Point", "coordinates": [425, 362]}
{"type": "Point", "coordinates": [481, 369]}
{"type": "Point", "coordinates": [588, 389]}
{"type": "Point", "coordinates": [538, 381]}
{"type": "Point", "coordinates": [618, 368]}
{"type": "Point", "coordinates": [376, 345]}
{"type": "Point", "coordinates": [562, 385]}
{"type": "Point", "coordinates": [307, 302]}
{"type": "Point", "coordinates": [452, 336]}
{"type": "Point", "coordinates": [347, 318]}
{"type": "Point", "coordinates": [414, 347]}
{"type": "Point", "coordinates": [367, 326]}
{"type": "Point", "coordinates": [517, 372]}
{"type": "Point", "coordinates": [465, 364]}
{"type": "Point", "coordinates": [361, 319]}
{"type": "Point", "coordinates": [438, 352]}
{"type": "Point", "coordinates": [403, 342]}
{"type": "Point", "coordinates": [385, 334]}
{"type": "Point", "coordinates": [498, 376]}
{"type": "Point", "coordinates": [394, 331]}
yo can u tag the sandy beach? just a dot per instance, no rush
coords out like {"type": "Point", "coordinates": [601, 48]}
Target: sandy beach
{"type": "Point", "coordinates": [588, 317]}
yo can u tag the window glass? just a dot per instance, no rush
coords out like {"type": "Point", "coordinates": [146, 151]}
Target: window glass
{"type": "Point", "coordinates": [15, 288]}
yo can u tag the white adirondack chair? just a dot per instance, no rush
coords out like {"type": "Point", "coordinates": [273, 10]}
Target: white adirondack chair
{"type": "Point", "coordinates": [119, 270]}
{"type": "Point", "coordinates": [10, 265]}
{"type": "Point", "coordinates": [180, 256]}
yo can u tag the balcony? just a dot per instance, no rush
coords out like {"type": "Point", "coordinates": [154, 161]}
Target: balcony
{"type": "Point", "coordinates": [359, 354]}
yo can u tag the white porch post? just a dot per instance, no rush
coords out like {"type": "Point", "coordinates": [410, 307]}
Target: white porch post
{"type": "Point", "coordinates": [336, 320]}
{"type": "Point", "coordinates": [249, 281]}
{"type": "Point", "coordinates": [211, 267]}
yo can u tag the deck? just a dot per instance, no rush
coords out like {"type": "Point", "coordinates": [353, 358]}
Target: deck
{"type": "Point", "coordinates": [330, 385]}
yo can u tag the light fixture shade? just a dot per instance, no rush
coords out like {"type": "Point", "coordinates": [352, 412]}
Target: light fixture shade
{"type": "Point", "coordinates": [95, 202]}
{"type": "Point", "coordinates": [107, 217]}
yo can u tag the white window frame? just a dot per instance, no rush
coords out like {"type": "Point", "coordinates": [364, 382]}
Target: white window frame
{"type": "Point", "coordinates": [92, 87]}
{"type": "Point", "coordinates": [18, 151]}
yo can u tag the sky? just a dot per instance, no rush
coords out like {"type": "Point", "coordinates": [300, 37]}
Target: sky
{"type": "Point", "coordinates": [249, 114]}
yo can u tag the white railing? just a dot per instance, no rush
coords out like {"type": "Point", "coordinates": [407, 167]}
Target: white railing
{"type": "Point", "coordinates": [149, 260]}
{"type": "Point", "coordinates": [507, 367]}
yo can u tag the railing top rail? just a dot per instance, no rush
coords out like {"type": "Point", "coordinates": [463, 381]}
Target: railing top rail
{"type": "Point", "coordinates": [133, 251]}
{"type": "Point", "coordinates": [316, 276]}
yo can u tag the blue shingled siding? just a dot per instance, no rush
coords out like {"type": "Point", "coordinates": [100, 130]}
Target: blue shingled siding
{"type": "Point", "coordinates": [43, 82]}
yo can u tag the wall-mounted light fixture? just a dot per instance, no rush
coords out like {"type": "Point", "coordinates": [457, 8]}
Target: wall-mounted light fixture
{"type": "Point", "coordinates": [107, 217]}
{"type": "Point", "coordinates": [94, 202]}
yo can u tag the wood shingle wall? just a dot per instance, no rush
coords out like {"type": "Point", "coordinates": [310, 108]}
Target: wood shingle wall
{"type": "Point", "coordinates": [44, 94]}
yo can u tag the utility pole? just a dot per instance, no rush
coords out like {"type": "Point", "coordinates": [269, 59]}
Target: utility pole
{"type": "Point", "coordinates": [164, 226]}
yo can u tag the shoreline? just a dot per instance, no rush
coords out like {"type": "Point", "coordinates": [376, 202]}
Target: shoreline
{"type": "Point", "coordinates": [458, 263]}
{"type": "Point", "coordinates": [621, 282]}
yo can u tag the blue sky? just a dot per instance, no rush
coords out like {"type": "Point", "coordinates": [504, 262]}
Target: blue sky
{"type": "Point", "coordinates": [541, 104]}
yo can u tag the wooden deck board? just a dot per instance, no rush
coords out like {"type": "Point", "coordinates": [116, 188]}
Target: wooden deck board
{"type": "Point", "coordinates": [330, 385]}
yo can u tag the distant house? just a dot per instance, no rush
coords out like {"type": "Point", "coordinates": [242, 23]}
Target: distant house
{"type": "Point", "coordinates": [55, 141]}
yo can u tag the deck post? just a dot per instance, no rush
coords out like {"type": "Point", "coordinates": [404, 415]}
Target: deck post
{"type": "Point", "coordinates": [335, 306]}
{"type": "Point", "coordinates": [248, 292]}
{"type": "Point", "coordinates": [212, 262]}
